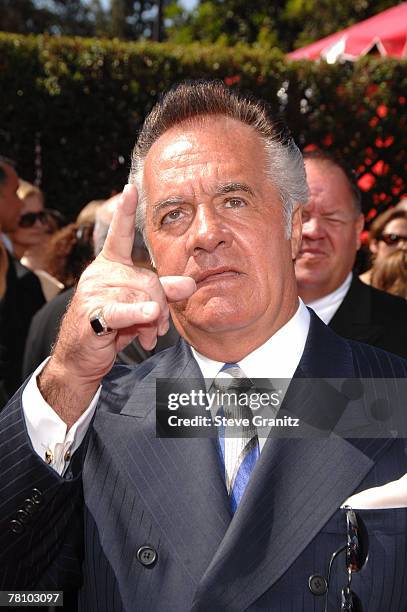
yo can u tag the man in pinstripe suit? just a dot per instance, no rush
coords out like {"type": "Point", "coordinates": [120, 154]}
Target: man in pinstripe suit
{"type": "Point", "coordinates": [91, 499]}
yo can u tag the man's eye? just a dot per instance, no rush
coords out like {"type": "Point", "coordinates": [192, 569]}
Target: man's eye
{"type": "Point", "coordinates": [235, 203]}
{"type": "Point", "coordinates": [334, 220]}
{"type": "Point", "coordinates": [172, 216]}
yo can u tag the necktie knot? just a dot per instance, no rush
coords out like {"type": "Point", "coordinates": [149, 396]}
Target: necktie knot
{"type": "Point", "coordinates": [231, 376]}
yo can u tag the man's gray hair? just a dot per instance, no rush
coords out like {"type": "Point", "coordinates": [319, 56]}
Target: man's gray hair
{"type": "Point", "coordinates": [192, 100]}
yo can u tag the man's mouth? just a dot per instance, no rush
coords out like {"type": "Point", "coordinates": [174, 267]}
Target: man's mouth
{"type": "Point", "coordinates": [311, 252]}
{"type": "Point", "coordinates": [215, 275]}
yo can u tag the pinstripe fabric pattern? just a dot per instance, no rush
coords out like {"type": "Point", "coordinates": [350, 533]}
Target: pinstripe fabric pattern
{"type": "Point", "coordinates": [136, 489]}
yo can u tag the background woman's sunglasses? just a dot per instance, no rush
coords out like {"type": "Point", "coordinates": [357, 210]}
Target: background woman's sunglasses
{"type": "Point", "coordinates": [29, 219]}
{"type": "Point", "coordinates": [392, 239]}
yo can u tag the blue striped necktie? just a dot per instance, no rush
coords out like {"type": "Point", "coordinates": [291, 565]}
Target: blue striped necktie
{"type": "Point", "coordinates": [239, 446]}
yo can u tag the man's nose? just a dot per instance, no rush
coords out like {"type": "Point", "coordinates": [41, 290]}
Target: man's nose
{"type": "Point", "coordinates": [313, 228]}
{"type": "Point", "coordinates": [207, 232]}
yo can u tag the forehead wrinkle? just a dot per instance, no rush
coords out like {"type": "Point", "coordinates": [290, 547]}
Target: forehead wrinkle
{"type": "Point", "coordinates": [177, 149]}
{"type": "Point", "coordinates": [187, 166]}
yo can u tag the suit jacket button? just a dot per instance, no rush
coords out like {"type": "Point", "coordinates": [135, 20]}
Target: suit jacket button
{"type": "Point", "coordinates": [23, 516]}
{"type": "Point", "coordinates": [317, 584]}
{"type": "Point", "coordinates": [147, 555]}
{"type": "Point", "coordinates": [28, 506]}
{"type": "Point", "coordinates": [16, 527]}
{"type": "Point", "coordinates": [36, 496]}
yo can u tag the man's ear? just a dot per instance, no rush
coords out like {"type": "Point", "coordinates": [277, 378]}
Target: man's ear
{"type": "Point", "coordinates": [296, 231]}
{"type": "Point", "coordinates": [359, 225]}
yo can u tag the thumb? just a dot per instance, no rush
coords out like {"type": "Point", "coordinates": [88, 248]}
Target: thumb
{"type": "Point", "coordinates": [178, 288]}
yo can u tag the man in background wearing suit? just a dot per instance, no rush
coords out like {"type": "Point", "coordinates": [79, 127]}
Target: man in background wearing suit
{"type": "Point", "coordinates": [23, 295]}
{"type": "Point", "coordinates": [92, 499]}
{"type": "Point", "coordinates": [332, 223]}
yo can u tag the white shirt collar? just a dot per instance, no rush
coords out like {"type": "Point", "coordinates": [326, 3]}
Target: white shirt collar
{"type": "Point", "coordinates": [278, 357]}
{"type": "Point", "coordinates": [327, 306]}
{"type": "Point", "coordinates": [7, 242]}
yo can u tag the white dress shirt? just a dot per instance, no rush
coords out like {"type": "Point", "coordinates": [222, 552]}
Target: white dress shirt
{"type": "Point", "coordinates": [276, 358]}
{"type": "Point", "coordinates": [327, 306]}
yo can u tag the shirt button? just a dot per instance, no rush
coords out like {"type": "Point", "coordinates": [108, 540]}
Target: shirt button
{"type": "Point", "coordinates": [67, 455]}
{"type": "Point", "coordinates": [49, 457]}
{"type": "Point", "coordinates": [317, 584]}
{"type": "Point", "coordinates": [147, 556]}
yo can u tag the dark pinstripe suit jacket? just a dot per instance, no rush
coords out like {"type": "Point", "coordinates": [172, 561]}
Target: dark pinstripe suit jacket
{"type": "Point", "coordinates": [126, 488]}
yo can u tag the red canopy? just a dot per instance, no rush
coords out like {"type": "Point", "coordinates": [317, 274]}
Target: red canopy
{"type": "Point", "coordinates": [387, 31]}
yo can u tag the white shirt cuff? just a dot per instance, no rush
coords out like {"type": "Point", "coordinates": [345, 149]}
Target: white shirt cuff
{"type": "Point", "coordinates": [47, 431]}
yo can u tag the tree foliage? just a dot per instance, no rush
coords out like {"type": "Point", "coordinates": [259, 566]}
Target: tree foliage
{"type": "Point", "coordinates": [124, 19]}
{"type": "Point", "coordinates": [284, 23]}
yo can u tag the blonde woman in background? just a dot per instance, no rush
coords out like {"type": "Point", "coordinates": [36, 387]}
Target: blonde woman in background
{"type": "Point", "coordinates": [388, 233]}
{"type": "Point", "coordinates": [32, 235]}
{"type": "Point", "coordinates": [389, 273]}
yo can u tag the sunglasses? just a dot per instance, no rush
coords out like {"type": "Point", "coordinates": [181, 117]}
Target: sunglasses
{"type": "Point", "coordinates": [392, 239]}
{"type": "Point", "coordinates": [29, 219]}
{"type": "Point", "coordinates": [356, 552]}
{"type": "Point", "coordinates": [356, 556]}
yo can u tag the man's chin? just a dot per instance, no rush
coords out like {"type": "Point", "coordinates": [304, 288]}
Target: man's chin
{"type": "Point", "coordinates": [215, 316]}
{"type": "Point", "coordinates": [310, 271]}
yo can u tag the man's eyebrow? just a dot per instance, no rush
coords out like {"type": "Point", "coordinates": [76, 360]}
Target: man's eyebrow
{"type": "Point", "coordinates": [165, 204]}
{"type": "Point", "coordinates": [231, 187]}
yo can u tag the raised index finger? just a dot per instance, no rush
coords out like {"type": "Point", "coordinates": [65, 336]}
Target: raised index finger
{"type": "Point", "coordinates": [120, 238]}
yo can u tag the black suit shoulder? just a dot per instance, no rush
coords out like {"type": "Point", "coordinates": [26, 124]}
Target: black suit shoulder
{"type": "Point", "coordinates": [382, 300]}
{"type": "Point", "coordinates": [22, 300]}
{"type": "Point", "coordinates": [44, 331]}
{"type": "Point", "coordinates": [28, 287]}
{"type": "Point", "coordinates": [373, 317]}
{"type": "Point", "coordinates": [371, 361]}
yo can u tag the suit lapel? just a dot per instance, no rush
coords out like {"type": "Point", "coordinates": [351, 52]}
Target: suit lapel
{"type": "Point", "coordinates": [296, 487]}
{"type": "Point", "coordinates": [179, 480]}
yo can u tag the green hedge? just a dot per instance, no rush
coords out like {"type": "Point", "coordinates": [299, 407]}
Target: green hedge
{"type": "Point", "coordinates": [75, 105]}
